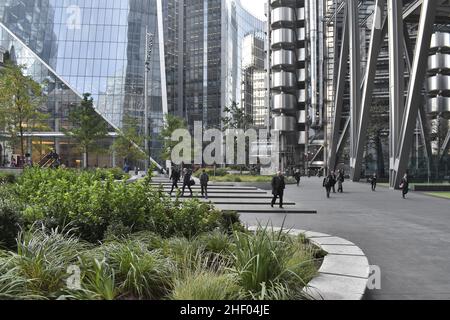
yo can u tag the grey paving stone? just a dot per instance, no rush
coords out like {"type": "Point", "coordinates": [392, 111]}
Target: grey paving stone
{"type": "Point", "coordinates": [343, 250]}
{"type": "Point", "coordinates": [354, 266]}
{"type": "Point", "coordinates": [313, 234]}
{"type": "Point", "coordinates": [331, 240]}
{"type": "Point", "coordinates": [331, 287]}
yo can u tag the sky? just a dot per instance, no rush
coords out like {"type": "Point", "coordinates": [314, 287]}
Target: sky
{"type": "Point", "coordinates": [255, 6]}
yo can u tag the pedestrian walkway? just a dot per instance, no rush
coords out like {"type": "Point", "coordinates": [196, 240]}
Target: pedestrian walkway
{"type": "Point", "coordinates": [227, 196]}
{"type": "Point", "coordinates": [408, 239]}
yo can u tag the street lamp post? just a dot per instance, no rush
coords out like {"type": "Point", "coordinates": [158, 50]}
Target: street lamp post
{"type": "Point", "coordinates": [148, 53]}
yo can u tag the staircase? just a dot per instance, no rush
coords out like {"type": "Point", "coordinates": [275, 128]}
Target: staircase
{"type": "Point", "coordinates": [232, 197]}
{"type": "Point", "coordinates": [47, 161]}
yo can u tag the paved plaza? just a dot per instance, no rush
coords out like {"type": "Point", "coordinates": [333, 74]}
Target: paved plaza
{"type": "Point", "coordinates": [408, 239]}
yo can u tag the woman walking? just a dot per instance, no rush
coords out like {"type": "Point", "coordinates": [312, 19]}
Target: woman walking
{"type": "Point", "coordinates": [404, 185]}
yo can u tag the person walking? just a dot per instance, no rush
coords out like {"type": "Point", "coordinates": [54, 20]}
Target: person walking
{"type": "Point", "coordinates": [187, 181]}
{"type": "Point", "coordinates": [174, 177]}
{"type": "Point", "coordinates": [328, 183]}
{"type": "Point", "coordinates": [404, 185]}
{"type": "Point", "coordinates": [340, 181]}
{"type": "Point", "coordinates": [297, 177]}
{"type": "Point", "coordinates": [204, 179]}
{"type": "Point", "coordinates": [373, 182]}
{"type": "Point", "coordinates": [278, 186]}
{"type": "Point", "coordinates": [333, 185]}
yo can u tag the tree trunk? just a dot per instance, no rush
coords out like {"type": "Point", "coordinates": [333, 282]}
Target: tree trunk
{"type": "Point", "coordinates": [85, 159]}
{"type": "Point", "coordinates": [22, 144]}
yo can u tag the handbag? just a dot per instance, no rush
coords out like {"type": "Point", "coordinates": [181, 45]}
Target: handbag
{"type": "Point", "coordinates": [402, 185]}
{"type": "Point", "coordinates": [192, 183]}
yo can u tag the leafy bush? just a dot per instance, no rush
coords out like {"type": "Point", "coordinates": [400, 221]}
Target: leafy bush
{"type": "Point", "coordinates": [116, 173]}
{"type": "Point", "coordinates": [7, 178]}
{"type": "Point", "coordinates": [10, 218]}
{"type": "Point", "coordinates": [92, 206]}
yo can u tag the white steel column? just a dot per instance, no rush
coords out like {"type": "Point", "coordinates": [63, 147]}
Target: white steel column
{"type": "Point", "coordinates": [355, 78]}
{"type": "Point", "coordinates": [376, 41]}
{"type": "Point", "coordinates": [396, 78]}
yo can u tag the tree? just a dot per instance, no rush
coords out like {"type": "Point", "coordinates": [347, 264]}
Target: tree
{"type": "Point", "coordinates": [126, 144]}
{"type": "Point", "coordinates": [20, 102]}
{"type": "Point", "coordinates": [171, 124]}
{"type": "Point", "coordinates": [87, 127]}
{"type": "Point", "coordinates": [236, 118]}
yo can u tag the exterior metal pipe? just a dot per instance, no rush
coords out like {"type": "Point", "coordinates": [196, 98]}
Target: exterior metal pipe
{"type": "Point", "coordinates": [314, 58]}
{"type": "Point", "coordinates": [340, 88]}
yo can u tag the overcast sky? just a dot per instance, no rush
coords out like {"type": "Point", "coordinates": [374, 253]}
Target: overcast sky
{"type": "Point", "coordinates": [255, 6]}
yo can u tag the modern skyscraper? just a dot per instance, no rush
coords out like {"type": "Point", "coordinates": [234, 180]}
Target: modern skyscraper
{"type": "Point", "coordinates": [387, 88]}
{"type": "Point", "coordinates": [93, 47]}
{"type": "Point", "coordinates": [254, 79]}
{"type": "Point", "coordinates": [204, 57]}
{"type": "Point", "coordinates": [293, 78]}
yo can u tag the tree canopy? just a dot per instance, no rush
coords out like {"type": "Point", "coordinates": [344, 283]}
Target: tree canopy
{"type": "Point", "coordinates": [21, 100]}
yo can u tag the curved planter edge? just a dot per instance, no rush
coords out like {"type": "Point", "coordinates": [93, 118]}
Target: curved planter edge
{"type": "Point", "coordinates": [344, 272]}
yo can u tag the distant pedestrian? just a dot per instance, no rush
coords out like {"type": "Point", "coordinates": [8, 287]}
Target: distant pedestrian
{"type": "Point", "coordinates": [328, 183]}
{"type": "Point", "coordinates": [404, 185]}
{"type": "Point", "coordinates": [373, 182]}
{"type": "Point", "coordinates": [187, 175]}
{"type": "Point", "coordinates": [175, 178]}
{"type": "Point", "coordinates": [297, 177]}
{"type": "Point", "coordinates": [204, 179]}
{"type": "Point", "coordinates": [333, 185]}
{"type": "Point", "coordinates": [340, 181]}
{"type": "Point", "coordinates": [278, 186]}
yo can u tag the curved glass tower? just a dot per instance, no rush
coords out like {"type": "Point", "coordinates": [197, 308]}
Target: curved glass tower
{"type": "Point", "coordinates": [93, 47]}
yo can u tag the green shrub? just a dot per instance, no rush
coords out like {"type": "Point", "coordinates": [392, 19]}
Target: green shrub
{"type": "Point", "coordinates": [6, 178]}
{"type": "Point", "coordinates": [140, 273]}
{"type": "Point", "coordinates": [10, 217]}
{"type": "Point", "coordinates": [206, 286]}
{"type": "Point", "coordinates": [93, 206]}
{"type": "Point", "coordinates": [98, 283]}
{"type": "Point", "coordinates": [42, 259]}
{"type": "Point", "coordinates": [13, 285]}
{"type": "Point", "coordinates": [216, 242]}
{"type": "Point", "coordinates": [116, 173]}
{"type": "Point", "coordinates": [269, 257]}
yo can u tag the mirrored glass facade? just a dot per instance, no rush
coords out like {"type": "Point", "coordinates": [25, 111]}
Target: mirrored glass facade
{"type": "Point", "coordinates": [82, 46]}
{"type": "Point", "coordinates": [203, 44]}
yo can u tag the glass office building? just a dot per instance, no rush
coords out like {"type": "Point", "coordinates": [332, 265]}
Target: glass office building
{"type": "Point", "coordinates": [98, 47]}
{"type": "Point", "coordinates": [203, 44]}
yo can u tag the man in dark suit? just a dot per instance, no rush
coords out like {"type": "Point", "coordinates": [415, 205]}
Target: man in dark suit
{"type": "Point", "coordinates": [174, 177]}
{"type": "Point", "coordinates": [187, 181]}
{"type": "Point", "coordinates": [278, 186]}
